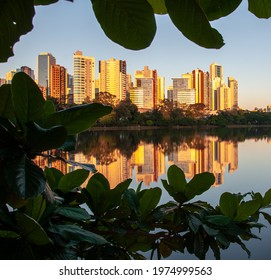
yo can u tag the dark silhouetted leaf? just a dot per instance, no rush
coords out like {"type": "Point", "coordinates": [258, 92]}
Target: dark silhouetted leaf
{"type": "Point", "coordinates": [199, 184]}
{"type": "Point", "coordinates": [74, 213]}
{"type": "Point", "coordinates": [78, 118]}
{"type": "Point", "coordinates": [74, 232]}
{"type": "Point", "coordinates": [149, 201]}
{"type": "Point", "coordinates": [24, 177]}
{"type": "Point", "coordinates": [215, 9]}
{"type": "Point", "coordinates": [159, 6]}
{"type": "Point", "coordinates": [246, 209]}
{"type": "Point", "coordinates": [72, 180]}
{"type": "Point", "coordinates": [190, 19]}
{"type": "Point", "coordinates": [31, 230]}
{"type": "Point", "coordinates": [6, 107]}
{"type": "Point", "coordinates": [229, 204]}
{"type": "Point", "coordinates": [129, 23]}
{"type": "Point", "coordinates": [41, 139]}
{"type": "Point", "coordinates": [176, 178]}
{"type": "Point", "coordinates": [53, 176]}
{"type": "Point", "coordinates": [27, 99]}
{"type": "Point", "coordinates": [16, 20]}
{"type": "Point", "coordinates": [260, 8]}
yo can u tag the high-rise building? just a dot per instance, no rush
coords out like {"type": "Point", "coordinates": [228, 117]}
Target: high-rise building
{"type": "Point", "coordinates": [44, 62]}
{"type": "Point", "coordinates": [83, 78]}
{"type": "Point", "coordinates": [137, 96]}
{"type": "Point", "coordinates": [59, 83]}
{"type": "Point", "coordinates": [9, 76]}
{"type": "Point", "coordinates": [216, 80]}
{"type": "Point", "coordinates": [200, 82]}
{"type": "Point", "coordinates": [148, 80]}
{"type": "Point", "coordinates": [113, 77]}
{"type": "Point", "coordinates": [233, 85]}
{"type": "Point", "coordinates": [27, 70]}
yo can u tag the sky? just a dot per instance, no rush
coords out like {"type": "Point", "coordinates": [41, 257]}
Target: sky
{"type": "Point", "coordinates": [65, 27]}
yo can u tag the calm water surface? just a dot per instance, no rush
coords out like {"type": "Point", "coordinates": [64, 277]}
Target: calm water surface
{"type": "Point", "coordinates": [239, 158]}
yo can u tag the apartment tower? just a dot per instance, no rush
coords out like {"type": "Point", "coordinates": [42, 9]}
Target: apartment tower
{"type": "Point", "coordinates": [83, 78]}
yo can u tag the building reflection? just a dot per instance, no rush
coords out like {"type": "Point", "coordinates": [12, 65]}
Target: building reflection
{"type": "Point", "coordinates": [149, 161]}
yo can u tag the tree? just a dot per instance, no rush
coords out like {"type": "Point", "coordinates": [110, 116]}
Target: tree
{"type": "Point", "coordinates": [137, 27]}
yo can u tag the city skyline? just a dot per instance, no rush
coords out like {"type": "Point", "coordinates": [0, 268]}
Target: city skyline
{"type": "Point", "coordinates": [73, 26]}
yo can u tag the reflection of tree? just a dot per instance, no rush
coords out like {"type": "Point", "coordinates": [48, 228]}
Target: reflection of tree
{"type": "Point", "coordinates": [103, 144]}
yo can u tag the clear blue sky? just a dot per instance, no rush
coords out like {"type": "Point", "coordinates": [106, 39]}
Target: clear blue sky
{"type": "Point", "coordinates": [65, 27]}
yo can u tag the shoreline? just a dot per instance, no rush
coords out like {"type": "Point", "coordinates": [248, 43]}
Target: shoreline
{"type": "Point", "coordinates": [138, 127]}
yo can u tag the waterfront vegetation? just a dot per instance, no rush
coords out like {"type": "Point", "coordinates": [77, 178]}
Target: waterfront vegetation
{"type": "Point", "coordinates": [125, 113]}
{"type": "Point", "coordinates": [45, 214]}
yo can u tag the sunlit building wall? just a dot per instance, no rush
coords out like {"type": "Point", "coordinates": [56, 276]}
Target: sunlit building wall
{"type": "Point", "coordinates": [59, 83]}
{"type": "Point", "coordinates": [113, 77]}
{"type": "Point", "coordinates": [27, 70]}
{"type": "Point", "coordinates": [233, 85]}
{"type": "Point", "coordinates": [160, 89]}
{"type": "Point", "coordinates": [216, 80]}
{"type": "Point", "coordinates": [83, 77]}
{"type": "Point", "coordinates": [148, 80]}
{"type": "Point", "coordinates": [137, 96]}
{"type": "Point", "coordinates": [9, 76]}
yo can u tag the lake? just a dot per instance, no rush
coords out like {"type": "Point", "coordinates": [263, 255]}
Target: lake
{"type": "Point", "coordinates": [239, 158]}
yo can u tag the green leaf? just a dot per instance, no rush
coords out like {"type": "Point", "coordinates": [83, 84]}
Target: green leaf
{"type": "Point", "coordinates": [78, 118]}
{"type": "Point", "coordinates": [194, 223]}
{"type": "Point", "coordinates": [210, 231]}
{"type": "Point", "coordinates": [24, 177]}
{"type": "Point", "coordinates": [219, 220]}
{"type": "Point", "coordinates": [49, 108]}
{"type": "Point", "coordinates": [8, 234]}
{"type": "Point", "coordinates": [260, 8]}
{"type": "Point", "coordinates": [123, 186]}
{"type": "Point", "coordinates": [267, 217]}
{"type": "Point", "coordinates": [75, 233]}
{"type": "Point", "coordinates": [176, 178]}
{"type": "Point", "coordinates": [27, 98]}
{"type": "Point", "coordinates": [246, 209]}
{"type": "Point", "coordinates": [129, 23]}
{"type": "Point", "coordinates": [159, 6]}
{"type": "Point", "coordinates": [35, 207]}
{"type": "Point", "coordinates": [16, 20]}
{"type": "Point", "coordinates": [69, 144]}
{"type": "Point", "coordinates": [215, 9]}
{"type": "Point", "coordinates": [228, 204]}
{"type": "Point", "coordinates": [99, 179]}
{"type": "Point", "coordinates": [72, 180]}
{"type": "Point", "coordinates": [149, 201]}
{"type": "Point", "coordinates": [40, 139]}
{"type": "Point", "coordinates": [31, 230]}
{"type": "Point", "coordinates": [267, 198]}
{"type": "Point", "coordinates": [53, 176]}
{"type": "Point", "coordinates": [190, 19]}
{"type": "Point", "coordinates": [131, 200]}
{"type": "Point", "coordinates": [199, 184]}
{"type": "Point", "coordinates": [6, 107]}
{"type": "Point", "coordinates": [79, 214]}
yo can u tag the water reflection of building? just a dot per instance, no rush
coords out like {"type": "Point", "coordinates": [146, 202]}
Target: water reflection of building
{"type": "Point", "coordinates": [215, 157]}
{"type": "Point", "coordinates": [148, 163]}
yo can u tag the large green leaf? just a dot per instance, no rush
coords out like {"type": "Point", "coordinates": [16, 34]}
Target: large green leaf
{"type": "Point", "coordinates": [130, 23]}
{"type": "Point", "coordinates": [176, 178]}
{"type": "Point", "coordinates": [228, 204]}
{"type": "Point", "coordinates": [190, 19]}
{"type": "Point", "coordinates": [24, 177]}
{"type": "Point", "coordinates": [31, 230]}
{"type": "Point", "coordinates": [72, 180]}
{"type": "Point", "coordinates": [53, 176]}
{"type": "Point", "coordinates": [6, 107]}
{"type": "Point", "coordinates": [78, 118]}
{"type": "Point", "coordinates": [260, 8]}
{"type": "Point", "coordinates": [215, 9]}
{"type": "Point", "coordinates": [159, 6]}
{"type": "Point", "coordinates": [27, 99]}
{"type": "Point", "coordinates": [74, 213]}
{"type": "Point", "coordinates": [246, 209]}
{"type": "Point", "coordinates": [199, 184]}
{"type": "Point", "coordinates": [267, 198]}
{"type": "Point", "coordinates": [75, 233]}
{"type": "Point", "coordinates": [149, 201]}
{"type": "Point", "coordinates": [16, 20]}
{"type": "Point", "coordinates": [35, 207]}
{"type": "Point", "coordinates": [40, 139]}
